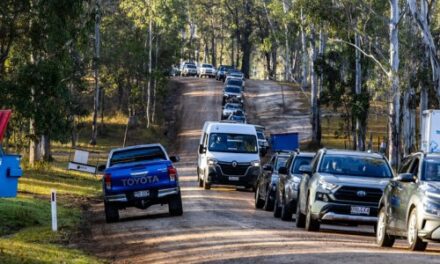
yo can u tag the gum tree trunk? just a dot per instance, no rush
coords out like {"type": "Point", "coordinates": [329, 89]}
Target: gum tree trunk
{"type": "Point", "coordinates": [394, 103]}
{"type": "Point", "coordinates": [316, 122]}
{"type": "Point", "coordinates": [304, 61]}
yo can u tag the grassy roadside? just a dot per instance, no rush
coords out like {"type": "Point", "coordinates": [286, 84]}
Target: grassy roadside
{"type": "Point", "coordinates": [25, 221]}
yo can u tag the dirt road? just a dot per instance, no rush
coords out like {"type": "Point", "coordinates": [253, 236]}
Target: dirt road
{"type": "Point", "coordinates": [221, 225]}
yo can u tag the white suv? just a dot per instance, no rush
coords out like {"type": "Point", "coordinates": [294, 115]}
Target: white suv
{"type": "Point", "coordinates": [206, 70]}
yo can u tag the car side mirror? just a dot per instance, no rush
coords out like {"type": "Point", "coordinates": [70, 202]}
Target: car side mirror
{"type": "Point", "coordinates": [406, 177]}
{"type": "Point", "coordinates": [267, 167]}
{"type": "Point", "coordinates": [282, 170]}
{"type": "Point", "coordinates": [175, 158]}
{"type": "Point", "coordinates": [202, 149]}
{"type": "Point", "coordinates": [101, 168]}
{"type": "Point", "coordinates": [306, 169]}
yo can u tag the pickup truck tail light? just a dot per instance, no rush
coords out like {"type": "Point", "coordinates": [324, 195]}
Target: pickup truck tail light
{"type": "Point", "coordinates": [108, 181]}
{"type": "Point", "coordinates": [172, 172]}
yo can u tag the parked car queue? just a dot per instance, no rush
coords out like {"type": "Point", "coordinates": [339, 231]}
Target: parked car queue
{"type": "Point", "coordinates": [352, 188]}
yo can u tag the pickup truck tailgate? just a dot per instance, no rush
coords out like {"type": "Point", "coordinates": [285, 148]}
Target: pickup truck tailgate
{"type": "Point", "coordinates": [139, 176]}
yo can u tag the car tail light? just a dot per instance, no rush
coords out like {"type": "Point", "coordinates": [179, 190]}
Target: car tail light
{"type": "Point", "coordinates": [172, 172]}
{"type": "Point", "coordinates": [108, 181]}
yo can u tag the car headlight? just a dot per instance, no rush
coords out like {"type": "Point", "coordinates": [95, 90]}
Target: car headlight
{"type": "Point", "coordinates": [255, 163]}
{"type": "Point", "coordinates": [212, 162]}
{"type": "Point", "coordinates": [327, 185]}
{"type": "Point", "coordinates": [431, 208]}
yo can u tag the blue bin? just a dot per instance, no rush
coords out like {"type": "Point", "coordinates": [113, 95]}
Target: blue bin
{"type": "Point", "coordinates": [10, 171]}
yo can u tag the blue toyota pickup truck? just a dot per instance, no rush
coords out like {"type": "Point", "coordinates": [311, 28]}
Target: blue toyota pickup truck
{"type": "Point", "coordinates": [140, 176]}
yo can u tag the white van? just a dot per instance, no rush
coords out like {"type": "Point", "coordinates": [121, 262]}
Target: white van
{"type": "Point", "coordinates": [228, 155]}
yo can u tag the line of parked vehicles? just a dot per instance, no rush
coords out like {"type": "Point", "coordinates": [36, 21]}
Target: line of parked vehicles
{"type": "Point", "coordinates": [352, 188]}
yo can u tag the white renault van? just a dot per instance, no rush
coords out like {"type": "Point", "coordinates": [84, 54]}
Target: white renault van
{"type": "Point", "coordinates": [228, 155]}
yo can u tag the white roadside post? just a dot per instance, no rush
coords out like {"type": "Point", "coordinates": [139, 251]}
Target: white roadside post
{"type": "Point", "coordinates": [54, 210]}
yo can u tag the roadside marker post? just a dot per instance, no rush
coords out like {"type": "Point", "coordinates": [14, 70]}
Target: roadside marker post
{"type": "Point", "coordinates": [53, 203]}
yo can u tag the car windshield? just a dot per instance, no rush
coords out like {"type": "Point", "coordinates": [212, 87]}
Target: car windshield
{"type": "Point", "coordinates": [232, 106]}
{"type": "Point", "coordinates": [300, 161]}
{"type": "Point", "coordinates": [232, 90]}
{"type": "Point", "coordinates": [191, 66]}
{"type": "Point", "coordinates": [236, 143]}
{"type": "Point", "coordinates": [280, 162]}
{"type": "Point", "coordinates": [355, 166]}
{"type": "Point", "coordinates": [137, 154]}
{"type": "Point", "coordinates": [235, 82]}
{"type": "Point", "coordinates": [431, 169]}
{"type": "Point", "coordinates": [206, 66]}
{"type": "Point", "coordinates": [260, 135]}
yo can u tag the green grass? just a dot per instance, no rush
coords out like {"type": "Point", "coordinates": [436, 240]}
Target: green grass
{"type": "Point", "coordinates": [26, 235]}
{"type": "Point", "coordinates": [25, 221]}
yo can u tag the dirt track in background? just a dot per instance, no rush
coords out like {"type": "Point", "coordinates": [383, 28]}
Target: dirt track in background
{"type": "Point", "coordinates": [221, 225]}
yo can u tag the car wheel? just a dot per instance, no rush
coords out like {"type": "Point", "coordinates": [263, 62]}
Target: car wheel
{"type": "Point", "coordinates": [258, 202]}
{"type": "Point", "coordinates": [200, 180]}
{"type": "Point", "coordinates": [277, 208]}
{"type": "Point", "coordinates": [311, 224]}
{"type": "Point", "coordinates": [286, 212]}
{"type": "Point", "coordinates": [175, 206]}
{"type": "Point", "coordinates": [300, 218]}
{"type": "Point", "coordinates": [382, 238]}
{"type": "Point", "coordinates": [268, 203]}
{"type": "Point", "coordinates": [111, 213]}
{"type": "Point", "coordinates": [414, 241]}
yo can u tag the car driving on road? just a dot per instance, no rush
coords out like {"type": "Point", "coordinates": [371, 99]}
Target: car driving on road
{"type": "Point", "coordinates": [234, 82]}
{"type": "Point", "coordinates": [140, 176]}
{"type": "Point", "coordinates": [230, 92]}
{"type": "Point", "coordinates": [228, 154]}
{"type": "Point", "coordinates": [221, 72]}
{"type": "Point", "coordinates": [238, 117]}
{"type": "Point", "coordinates": [229, 109]}
{"type": "Point", "coordinates": [206, 70]}
{"type": "Point", "coordinates": [342, 186]}
{"type": "Point", "coordinates": [410, 206]}
{"type": "Point", "coordinates": [268, 180]}
{"type": "Point", "coordinates": [189, 70]}
{"type": "Point", "coordinates": [288, 184]}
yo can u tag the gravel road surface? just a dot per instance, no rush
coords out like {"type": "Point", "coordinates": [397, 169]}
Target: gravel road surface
{"type": "Point", "coordinates": [221, 225]}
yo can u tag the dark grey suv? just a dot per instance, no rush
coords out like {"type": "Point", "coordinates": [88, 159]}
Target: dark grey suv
{"type": "Point", "coordinates": [343, 187]}
{"type": "Point", "coordinates": [288, 184]}
{"type": "Point", "coordinates": [410, 206]}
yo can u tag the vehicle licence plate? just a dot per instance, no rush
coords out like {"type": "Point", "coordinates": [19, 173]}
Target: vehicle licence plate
{"type": "Point", "coordinates": [359, 210]}
{"type": "Point", "coordinates": [233, 178]}
{"type": "Point", "coordinates": [141, 194]}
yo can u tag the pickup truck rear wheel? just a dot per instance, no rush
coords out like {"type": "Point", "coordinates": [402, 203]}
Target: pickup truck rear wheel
{"type": "Point", "coordinates": [175, 206]}
{"type": "Point", "coordinates": [111, 213]}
